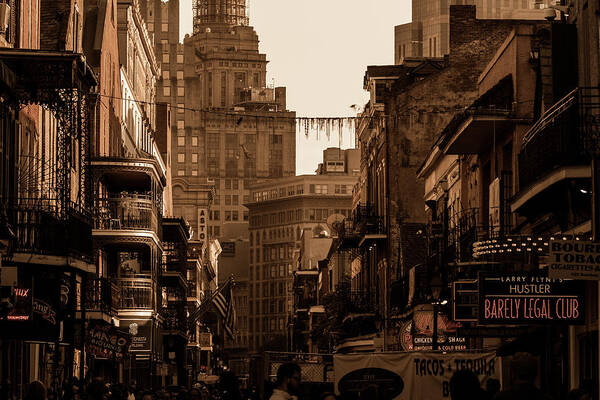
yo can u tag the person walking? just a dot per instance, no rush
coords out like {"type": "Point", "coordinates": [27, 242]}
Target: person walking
{"type": "Point", "coordinates": [36, 391]}
{"type": "Point", "coordinates": [464, 385]}
{"type": "Point", "coordinates": [289, 376]}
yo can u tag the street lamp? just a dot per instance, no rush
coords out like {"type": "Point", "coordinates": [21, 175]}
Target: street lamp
{"type": "Point", "coordinates": [437, 286]}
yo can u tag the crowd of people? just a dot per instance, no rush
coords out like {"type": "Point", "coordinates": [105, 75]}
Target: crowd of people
{"type": "Point", "coordinates": [228, 388]}
{"type": "Point", "coordinates": [464, 385]}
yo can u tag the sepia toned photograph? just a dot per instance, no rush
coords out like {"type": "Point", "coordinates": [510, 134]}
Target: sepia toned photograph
{"type": "Point", "coordinates": [299, 200]}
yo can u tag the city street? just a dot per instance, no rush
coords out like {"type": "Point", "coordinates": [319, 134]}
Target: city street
{"type": "Point", "coordinates": [263, 199]}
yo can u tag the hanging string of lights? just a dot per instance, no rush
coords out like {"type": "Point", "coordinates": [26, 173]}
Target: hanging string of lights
{"type": "Point", "coordinates": [315, 125]}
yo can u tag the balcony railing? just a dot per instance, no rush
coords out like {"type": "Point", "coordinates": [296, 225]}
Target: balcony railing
{"type": "Point", "coordinates": [565, 135]}
{"type": "Point", "coordinates": [362, 301]}
{"type": "Point", "coordinates": [128, 211]}
{"type": "Point", "coordinates": [41, 226]}
{"type": "Point", "coordinates": [136, 292]}
{"type": "Point", "coordinates": [174, 317]}
{"type": "Point", "coordinates": [469, 226]}
{"type": "Point", "coordinates": [366, 220]}
{"type": "Point", "coordinates": [103, 295]}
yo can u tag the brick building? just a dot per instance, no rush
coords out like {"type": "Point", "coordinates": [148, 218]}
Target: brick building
{"type": "Point", "coordinates": [417, 99]}
{"type": "Point", "coordinates": [428, 34]}
{"type": "Point", "coordinates": [46, 90]}
{"type": "Point", "coordinates": [279, 212]}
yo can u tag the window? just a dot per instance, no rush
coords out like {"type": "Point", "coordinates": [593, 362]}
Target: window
{"type": "Point", "coordinates": [235, 200]}
{"type": "Point", "coordinates": [194, 140]}
{"type": "Point", "coordinates": [180, 58]}
{"type": "Point", "coordinates": [180, 91]}
{"type": "Point", "coordinates": [181, 141]}
{"type": "Point", "coordinates": [181, 157]}
{"type": "Point", "coordinates": [318, 189]}
{"type": "Point", "coordinates": [181, 172]}
{"type": "Point", "coordinates": [180, 124]}
{"type": "Point", "coordinates": [245, 215]}
{"type": "Point", "coordinates": [227, 199]}
{"type": "Point", "coordinates": [227, 183]}
{"type": "Point", "coordinates": [165, 58]}
{"type": "Point", "coordinates": [151, 27]}
{"type": "Point", "coordinates": [194, 172]}
{"type": "Point", "coordinates": [194, 157]}
{"type": "Point", "coordinates": [340, 189]}
{"type": "Point", "coordinates": [167, 90]}
{"type": "Point", "coordinates": [165, 27]}
{"type": "Point", "coordinates": [223, 88]}
{"type": "Point", "coordinates": [235, 216]}
{"type": "Point", "coordinates": [217, 230]}
{"type": "Point", "coordinates": [216, 215]}
{"type": "Point", "coordinates": [227, 215]}
{"type": "Point", "coordinates": [180, 108]}
{"type": "Point", "coordinates": [299, 189]}
{"type": "Point", "coordinates": [236, 184]}
{"type": "Point", "coordinates": [179, 75]}
{"type": "Point", "coordinates": [165, 74]}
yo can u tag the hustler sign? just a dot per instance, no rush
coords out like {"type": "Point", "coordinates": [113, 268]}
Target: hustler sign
{"type": "Point", "coordinates": [529, 299]}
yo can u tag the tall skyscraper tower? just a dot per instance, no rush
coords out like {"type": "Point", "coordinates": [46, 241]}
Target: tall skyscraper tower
{"type": "Point", "coordinates": [233, 128]}
{"type": "Point", "coordinates": [230, 130]}
{"type": "Point", "coordinates": [231, 12]}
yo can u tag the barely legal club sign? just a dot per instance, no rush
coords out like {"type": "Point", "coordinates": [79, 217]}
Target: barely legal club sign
{"type": "Point", "coordinates": [529, 299]}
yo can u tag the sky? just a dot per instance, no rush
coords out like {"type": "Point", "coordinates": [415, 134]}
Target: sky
{"type": "Point", "coordinates": [319, 50]}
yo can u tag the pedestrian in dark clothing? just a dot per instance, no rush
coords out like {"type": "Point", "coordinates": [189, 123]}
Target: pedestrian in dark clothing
{"type": "Point", "coordinates": [464, 385]}
{"type": "Point", "coordinates": [183, 395]}
{"type": "Point", "coordinates": [289, 376]}
{"type": "Point", "coordinates": [229, 386]}
{"type": "Point", "coordinates": [578, 394]}
{"type": "Point", "coordinates": [36, 391]}
{"type": "Point", "coordinates": [524, 369]}
{"type": "Point", "coordinates": [97, 390]}
{"type": "Point", "coordinates": [492, 387]}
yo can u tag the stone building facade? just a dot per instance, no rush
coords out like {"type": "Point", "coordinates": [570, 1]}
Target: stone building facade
{"type": "Point", "coordinates": [279, 212]}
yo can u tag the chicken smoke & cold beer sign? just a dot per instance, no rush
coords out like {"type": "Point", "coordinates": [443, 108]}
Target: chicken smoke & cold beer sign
{"type": "Point", "coordinates": [529, 299]}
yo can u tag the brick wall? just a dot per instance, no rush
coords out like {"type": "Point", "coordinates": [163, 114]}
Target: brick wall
{"type": "Point", "coordinates": [419, 112]}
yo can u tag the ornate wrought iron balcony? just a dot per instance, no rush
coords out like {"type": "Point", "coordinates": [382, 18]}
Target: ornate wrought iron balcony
{"type": "Point", "coordinates": [136, 292]}
{"type": "Point", "coordinates": [128, 211]}
{"type": "Point", "coordinates": [566, 135]}
{"type": "Point", "coordinates": [44, 227]}
{"type": "Point", "coordinates": [102, 295]}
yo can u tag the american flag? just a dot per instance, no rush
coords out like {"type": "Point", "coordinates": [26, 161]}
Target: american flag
{"type": "Point", "coordinates": [223, 302]}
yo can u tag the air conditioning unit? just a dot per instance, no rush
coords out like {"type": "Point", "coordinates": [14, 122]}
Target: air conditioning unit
{"type": "Point", "coordinates": [4, 16]}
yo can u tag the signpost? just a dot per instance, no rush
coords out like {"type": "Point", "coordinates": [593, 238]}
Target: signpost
{"type": "Point", "coordinates": [529, 299]}
{"type": "Point", "coordinates": [574, 259]}
{"type": "Point", "coordinates": [465, 301]}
